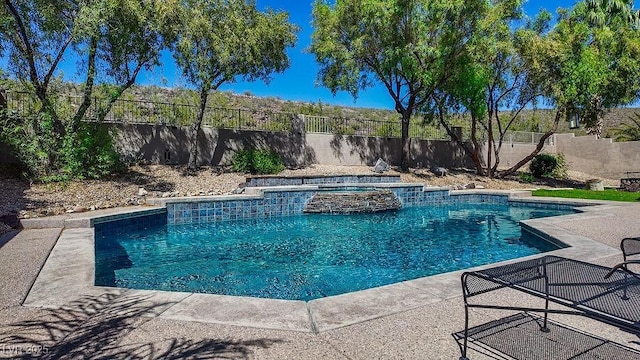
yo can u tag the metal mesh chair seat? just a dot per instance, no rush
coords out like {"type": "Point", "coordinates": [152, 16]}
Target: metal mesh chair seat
{"type": "Point", "coordinates": [605, 294]}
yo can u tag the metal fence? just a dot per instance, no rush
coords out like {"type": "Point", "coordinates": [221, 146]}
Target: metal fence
{"type": "Point", "coordinates": [367, 127]}
{"type": "Point", "coordinates": [125, 111]}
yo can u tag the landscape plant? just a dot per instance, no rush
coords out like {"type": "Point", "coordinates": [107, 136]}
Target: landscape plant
{"type": "Point", "coordinates": [409, 46]}
{"type": "Point", "coordinates": [111, 41]}
{"type": "Point", "coordinates": [218, 41]}
{"type": "Point", "coordinates": [628, 131]}
{"type": "Point", "coordinates": [576, 66]}
{"type": "Point", "coordinates": [543, 165]}
{"type": "Point", "coordinates": [257, 161]}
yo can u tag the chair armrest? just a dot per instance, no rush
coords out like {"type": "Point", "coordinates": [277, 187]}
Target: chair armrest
{"type": "Point", "coordinates": [623, 266]}
{"type": "Point", "coordinates": [630, 246]}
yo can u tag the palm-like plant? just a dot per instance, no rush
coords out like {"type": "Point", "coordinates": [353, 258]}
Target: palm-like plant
{"type": "Point", "coordinates": [628, 131]}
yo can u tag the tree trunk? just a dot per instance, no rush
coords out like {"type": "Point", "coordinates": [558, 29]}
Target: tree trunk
{"type": "Point", "coordinates": [3, 100]}
{"type": "Point", "coordinates": [490, 145]}
{"type": "Point", "coordinates": [536, 151]}
{"type": "Point", "coordinates": [88, 85]}
{"type": "Point", "coordinates": [406, 142]}
{"type": "Point", "coordinates": [193, 151]}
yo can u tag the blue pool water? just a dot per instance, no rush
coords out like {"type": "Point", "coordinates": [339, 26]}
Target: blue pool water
{"type": "Point", "coordinates": [312, 256]}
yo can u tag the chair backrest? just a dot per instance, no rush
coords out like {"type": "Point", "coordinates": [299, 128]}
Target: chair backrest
{"type": "Point", "coordinates": [630, 247]}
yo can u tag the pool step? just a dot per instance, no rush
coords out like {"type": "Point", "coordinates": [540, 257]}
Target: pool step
{"type": "Point", "coordinates": [352, 202]}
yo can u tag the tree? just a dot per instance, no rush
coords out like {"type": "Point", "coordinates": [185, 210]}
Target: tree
{"type": "Point", "coordinates": [604, 12]}
{"type": "Point", "coordinates": [491, 86]}
{"type": "Point", "coordinates": [573, 66]}
{"type": "Point", "coordinates": [410, 46]}
{"type": "Point", "coordinates": [220, 40]}
{"type": "Point", "coordinates": [581, 69]}
{"type": "Point", "coordinates": [609, 14]}
{"type": "Point", "coordinates": [112, 40]}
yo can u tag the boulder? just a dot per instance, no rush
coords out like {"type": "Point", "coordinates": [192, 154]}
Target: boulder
{"type": "Point", "coordinates": [80, 209]}
{"type": "Point", "coordinates": [595, 185]}
{"type": "Point", "coordinates": [142, 192]}
{"type": "Point", "coordinates": [381, 166]}
{"type": "Point", "coordinates": [439, 171]}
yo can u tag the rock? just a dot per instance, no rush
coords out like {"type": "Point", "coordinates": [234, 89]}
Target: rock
{"type": "Point", "coordinates": [480, 187]}
{"type": "Point", "coordinates": [70, 211]}
{"type": "Point", "coordinates": [238, 191]}
{"type": "Point", "coordinates": [92, 208]}
{"type": "Point", "coordinates": [595, 185]}
{"type": "Point", "coordinates": [80, 209]}
{"type": "Point", "coordinates": [439, 171]}
{"type": "Point", "coordinates": [469, 186]}
{"type": "Point", "coordinates": [142, 192]}
{"type": "Point", "coordinates": [381, 166]}
{"type": "Point", "coordinates": [353, 202]}
{"type": "Point", "coordinates": [166, 194]}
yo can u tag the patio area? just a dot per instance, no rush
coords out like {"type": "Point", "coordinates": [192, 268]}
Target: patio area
{"type": "Point", "coordinates": [130, 324]}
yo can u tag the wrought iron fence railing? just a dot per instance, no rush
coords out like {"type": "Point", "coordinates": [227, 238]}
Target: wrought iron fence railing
{"type": "Point", "coordinates": [127, 111]}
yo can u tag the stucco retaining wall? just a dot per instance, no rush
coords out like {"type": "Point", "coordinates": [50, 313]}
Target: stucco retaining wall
{"type": "Point", "coordinates": [170, 145]}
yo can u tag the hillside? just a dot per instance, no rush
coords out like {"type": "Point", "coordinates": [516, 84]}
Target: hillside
{"type": "Point", "coordinates": [529, 120]}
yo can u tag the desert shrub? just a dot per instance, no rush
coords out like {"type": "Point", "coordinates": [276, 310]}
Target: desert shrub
{"type": "Point", "coordinates": [543, 165]}
{"type": "Point", "coordinates": [257, 162]}
{"type": "Point", "coordinates": [527, 178]}
{"type": "Point", "coordinates": [243, 161]}
{"type": "Point", "coordinates": [89, 153]}
{"type": "Point", "coordinates": [560, 172]}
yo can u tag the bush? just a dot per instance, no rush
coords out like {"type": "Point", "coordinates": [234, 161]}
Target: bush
{"type": "Point", "coordinates": [560, 172]}
{"type": "Point", "coordinates": [257, 162]}
{"type": "Point", "coordinates": [243, 161]}
{"type": "Point", "coordinates": [89, 153]}
{"type": "Point", "coordinates": [543, 165]}
{"type": "Point", "coordinates": [527, 178]}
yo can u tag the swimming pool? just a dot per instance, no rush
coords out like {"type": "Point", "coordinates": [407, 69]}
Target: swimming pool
{"type": "Point", "coordinates": [304, 257]}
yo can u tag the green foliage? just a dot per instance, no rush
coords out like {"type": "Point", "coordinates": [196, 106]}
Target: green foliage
{"type": "Point", "coordinates": [526, 177]}
{"type": "Point", "coordinates": [607, 194]}
{"type": "Point", "coordinates": [410, 47]}
{"type": "Point", "coordinates": [543, 165]}
{"type": "Point", "coordinates": [88, 153]}
{"type": "Point", "coordinates": [560, 171]}
{"type": "Point", "coordinates": [257, 162]}
{"type": "Point", "coordinates": [31, 140]}
{"type": "Point", "coordinates": [218, 41]}
{"type": "Point", "coordinates": [628, 131]}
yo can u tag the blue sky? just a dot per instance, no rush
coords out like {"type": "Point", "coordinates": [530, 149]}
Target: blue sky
{"type": "Point", "coordinates": [299, 81]}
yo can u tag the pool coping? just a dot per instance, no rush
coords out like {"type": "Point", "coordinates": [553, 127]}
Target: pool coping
{"type": "Point", "coordinates": [68, 275]}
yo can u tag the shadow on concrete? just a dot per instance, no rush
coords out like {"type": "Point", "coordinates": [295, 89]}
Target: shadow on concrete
{"type": "Point", "coordinates": [12, 198]}
{"type": "Point", "coordinates": [96, 327]}
{"type": "Point", "coordinates": [519, 337]}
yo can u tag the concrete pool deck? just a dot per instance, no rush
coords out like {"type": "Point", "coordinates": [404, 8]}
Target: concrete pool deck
{"type": "Point", "coordinates": [64, 314]}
